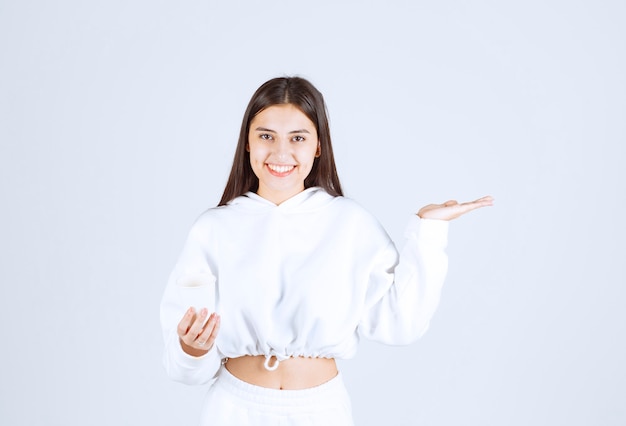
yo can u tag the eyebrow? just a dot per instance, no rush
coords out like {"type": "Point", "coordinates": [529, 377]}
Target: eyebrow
{"type": "Point", "coordinates": [263, 129]}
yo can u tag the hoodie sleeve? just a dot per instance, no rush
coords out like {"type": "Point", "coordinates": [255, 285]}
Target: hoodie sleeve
{"type": "Point", "coordinates": [404, 289]}
{"type": "Point", "coordinates": [192, 262]}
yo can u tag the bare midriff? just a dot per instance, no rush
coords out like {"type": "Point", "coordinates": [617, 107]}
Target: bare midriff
{"type": "Point", "coordinates": [292, 373]}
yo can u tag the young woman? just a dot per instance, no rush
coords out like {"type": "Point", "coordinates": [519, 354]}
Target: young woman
{"type": "Point", "coordinates": [299, 273]}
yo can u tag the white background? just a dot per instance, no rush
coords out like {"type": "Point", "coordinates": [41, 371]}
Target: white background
{"type": "Point", "coordinates": [118, 122]}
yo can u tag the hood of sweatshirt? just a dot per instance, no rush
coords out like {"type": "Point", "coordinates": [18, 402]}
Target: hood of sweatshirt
{"type": "Point", "coordinates": [310, 199]}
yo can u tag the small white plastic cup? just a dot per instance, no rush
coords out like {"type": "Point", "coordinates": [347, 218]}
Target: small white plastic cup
{"type": "Point", "coordinates": [197, 291]}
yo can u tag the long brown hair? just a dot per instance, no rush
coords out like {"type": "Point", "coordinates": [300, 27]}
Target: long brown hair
{"type": "Point", "coordinates": [280, 91]}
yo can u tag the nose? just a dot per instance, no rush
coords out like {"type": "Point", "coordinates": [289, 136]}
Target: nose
{"type": "Point", "coordinates": [282, 148]}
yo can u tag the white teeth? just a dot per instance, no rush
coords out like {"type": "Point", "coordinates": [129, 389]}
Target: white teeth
{"type": "Point", "coordinates": [280, 169]}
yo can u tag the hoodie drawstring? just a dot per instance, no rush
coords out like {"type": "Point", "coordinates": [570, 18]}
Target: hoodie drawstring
{"type": "Point", "coordinates": [278, 360]}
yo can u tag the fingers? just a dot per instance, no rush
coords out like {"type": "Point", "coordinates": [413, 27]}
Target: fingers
{"type": "Point", "coordinates": [209, 334]}
{"type": "Point", "coordinates": [186, 322]}
{"type": "Point", "coordinates": [473, 205]}
{"type": "Point", "coordinates": [196, 328]}
{"type": "Point", "coordinates": [481, 202]}
{"type": "Point", "coordinates": [451, 209]}
{"type": "Point", "coordinates": [198, 332]}
{"type": "Point", "coordinates": [486, 200]}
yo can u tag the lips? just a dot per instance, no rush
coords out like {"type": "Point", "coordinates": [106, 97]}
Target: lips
{"type": "Point", "coordinates": [280, 170]}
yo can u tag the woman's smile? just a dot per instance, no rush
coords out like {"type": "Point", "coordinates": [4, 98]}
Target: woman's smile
{"type": "Point", "coordinates": [283, 145]}
{"type": "Point", "coordinates": [280, 170]}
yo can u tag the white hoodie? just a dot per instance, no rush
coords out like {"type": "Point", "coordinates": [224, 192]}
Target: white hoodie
{"type": "Point", "coordinates": [304, 278]}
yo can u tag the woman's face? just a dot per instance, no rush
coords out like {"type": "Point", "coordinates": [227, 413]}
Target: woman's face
{"type": "Point", "coordinates": [283, 144]}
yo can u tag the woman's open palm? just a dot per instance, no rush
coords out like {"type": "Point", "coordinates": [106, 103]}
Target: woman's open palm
{"type": "Point", "coordinates": [452, 209]}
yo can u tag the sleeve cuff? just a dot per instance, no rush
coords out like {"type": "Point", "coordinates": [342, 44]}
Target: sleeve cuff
{"type": "Point", "coordinates": [189, 362]}
{"type": "Point", "coordinates": [431, 232]}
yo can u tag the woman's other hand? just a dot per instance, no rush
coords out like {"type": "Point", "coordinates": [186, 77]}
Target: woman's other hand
{"type": "Point", "coordinates": [196, 337]}
{"type": "Point", "coordinates": [452, 209]}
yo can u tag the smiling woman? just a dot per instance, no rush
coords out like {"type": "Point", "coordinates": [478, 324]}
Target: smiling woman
{"type": "Point", "coordinates": [281, 99]}
{"type": "Point", "coordinates": [283, 145]}
{"type": "Point", "coordinates": [294, 274]}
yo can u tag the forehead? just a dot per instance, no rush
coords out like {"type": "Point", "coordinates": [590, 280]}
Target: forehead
{"type": "Point", "coordinates": [282, 117]}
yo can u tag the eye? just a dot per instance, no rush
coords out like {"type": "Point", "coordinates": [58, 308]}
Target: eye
{"type": "Point", "coordinates": [298, 138]}
{"type": "Point", "coordinates": [265, 136]}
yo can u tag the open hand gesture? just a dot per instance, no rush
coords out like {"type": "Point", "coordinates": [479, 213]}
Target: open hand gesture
{"type": "Point", "coordinates": [452, 209]}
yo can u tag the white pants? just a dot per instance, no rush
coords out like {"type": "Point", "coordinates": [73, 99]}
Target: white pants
{"type": "Point", "coordinates": [231, 401]}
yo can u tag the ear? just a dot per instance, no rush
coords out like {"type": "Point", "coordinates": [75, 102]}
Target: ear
{"type": "Point", "coordinates": [318, 152]}
{"type": "Point", "coordinates": [248, 147]}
